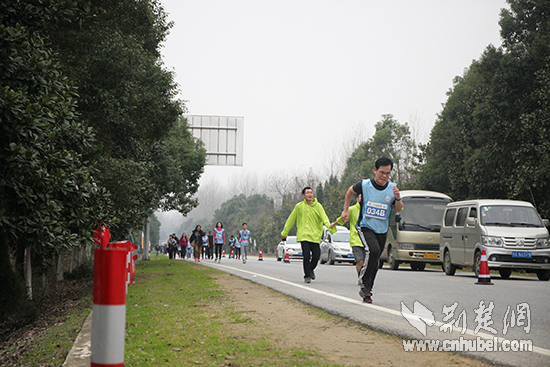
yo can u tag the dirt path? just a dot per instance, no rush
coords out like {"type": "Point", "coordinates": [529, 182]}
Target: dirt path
{"type": "Point", "coordinates": [290, 323]}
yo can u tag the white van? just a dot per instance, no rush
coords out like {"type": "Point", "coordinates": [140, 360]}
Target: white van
{"type": "Point", "coordinates": [511, 232]}
{"type": "Point", "coordinates": [413, 236]}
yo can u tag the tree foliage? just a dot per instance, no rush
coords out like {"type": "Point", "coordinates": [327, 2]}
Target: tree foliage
{"type": "Point", "coordinates": [391, 139]}
{"type": "Point", "coordinates": [491, 139]}
{"type": "Point", "coordinates": [154, 231]}
{"type": "Point", "coordinates": [241, 209]}
{"type": "Point", "coordinates": [90, 129]}
{"type": "Point", "coordinates": [333, 197]}
{"type": "Point", "coordinates": [269, 226]}
{"type": "Point", "coordinates": [147, 158]}
{"type": "Point", "coordinates": [46, 190]}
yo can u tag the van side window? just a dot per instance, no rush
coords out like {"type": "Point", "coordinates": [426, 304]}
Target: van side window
{"type": "Point", "coordinates": [393, 223]}
{"type": "Point", "coordinates": [392, 217]}
{"type": "Point", "coordinates": [449, 217]}
{"type": "Point", "coordinates": [473, 212]}
{"type": "Point", "coordinates": [461, 217]}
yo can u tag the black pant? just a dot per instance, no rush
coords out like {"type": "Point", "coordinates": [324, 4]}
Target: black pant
{"type": "Point", "coordinates": [374, 245]}
{"type": "Point", "coordinates": [219, 250]}
{"type": "Point", "coordinates": [311, 253]}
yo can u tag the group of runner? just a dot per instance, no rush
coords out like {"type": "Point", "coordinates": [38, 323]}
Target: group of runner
{"type": "Point", "coordinates": [369, 222]}
{"type": "Point", "coordinates": [209, 246]}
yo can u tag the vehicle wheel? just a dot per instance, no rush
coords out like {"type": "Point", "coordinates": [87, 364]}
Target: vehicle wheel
{"type": "Point", "coordinates": [418, 266]}
{"type": "Point", "coordinates": [543, 274]}
{"type": "Point", "coordinates": [447, 265]}
{"type": "Point", "coordinates": [394, 264]}
{"type": "Point", "coordinates": [322, 261]}
{"type": "Point", "coordinates": [278, 258]}
{"type": "Point", "coordinates": [380, 264]}
{"type": "Point", "coordinates": [477, 262]}
{"type": "Point", "coordinates": [505, 273]}
{"type": "Point", "coordinates": [330, 258]}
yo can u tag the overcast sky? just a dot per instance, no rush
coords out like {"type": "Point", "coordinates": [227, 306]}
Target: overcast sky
{"type": "Point", "coordinates": [307, 74]}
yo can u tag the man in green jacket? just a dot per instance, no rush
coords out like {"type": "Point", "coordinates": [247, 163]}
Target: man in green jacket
{"type": "Point", "coordinates": [309, 217]}
{"type": "Point", "coordinates": [354, 241]}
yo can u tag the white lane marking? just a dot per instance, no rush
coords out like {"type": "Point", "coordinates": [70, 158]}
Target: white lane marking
{"type": "Point", "coordinates": [538, 350]}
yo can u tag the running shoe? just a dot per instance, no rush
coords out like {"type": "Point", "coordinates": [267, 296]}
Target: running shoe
{"type": "Point", "coordinates": [364, 293]}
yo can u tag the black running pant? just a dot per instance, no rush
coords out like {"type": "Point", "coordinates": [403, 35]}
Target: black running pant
{"type": "Point", "coordinates": [374, 245]}
{"type": "Point", "coordinates": [311, 253]}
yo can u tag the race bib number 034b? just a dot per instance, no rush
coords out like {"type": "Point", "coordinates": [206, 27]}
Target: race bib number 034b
{"type": "Point", "coordinates": [376, 210]}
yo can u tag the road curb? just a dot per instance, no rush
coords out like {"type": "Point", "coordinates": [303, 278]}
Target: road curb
{"type": "Point", "coordinates": [79, 355]}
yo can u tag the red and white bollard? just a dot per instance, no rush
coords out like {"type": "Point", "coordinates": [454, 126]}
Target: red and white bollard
{"type": "Point", "coordinates": [484, 277]}
{"type": "Point", "coordinates": [109, 309]}
{"type": "Point", "coordinates": [131, 258]}
{"type": "Point", "coordinates": [260, 256]}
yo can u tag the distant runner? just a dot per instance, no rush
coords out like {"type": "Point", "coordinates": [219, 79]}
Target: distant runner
{"type": "Point", "coordinates": [244, 241]}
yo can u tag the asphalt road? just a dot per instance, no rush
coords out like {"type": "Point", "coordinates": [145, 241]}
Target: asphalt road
{"type": "Point", "coordinates": [503, 315]}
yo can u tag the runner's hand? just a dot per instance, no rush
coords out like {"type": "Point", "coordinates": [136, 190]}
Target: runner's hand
{"type": "Point", "coordinates": [345, 215]}
{"type": "Point", "coordinates": [396, 192]}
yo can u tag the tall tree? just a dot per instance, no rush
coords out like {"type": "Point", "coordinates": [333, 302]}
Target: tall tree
{"type": "Point", "coordinates": [269, 226]}
{"type": "Point", "coordinates": [240, 209]}
{"type": "Point", "coordinates": [491, 139]}
{"type": "Point", "coordinates": [391, 139]}
{"type": "Point", "coordinates": [111, 50]}
{"type": "Point", "coordinates": [46, 190]}
{"type": "Point", "coordinates": [155, 230]}
{"type": "Point", "coordinates": [334, 198]}
{"type": "Point", "coordinates": [525, 30]}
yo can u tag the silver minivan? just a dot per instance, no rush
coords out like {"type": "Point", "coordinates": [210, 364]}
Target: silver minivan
{"type": "Point", "coordinates": [336, 247]}
{"type": "Point", "coordinates": [511, 232]}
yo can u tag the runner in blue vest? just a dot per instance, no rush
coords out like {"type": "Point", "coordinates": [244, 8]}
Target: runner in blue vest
{"type": "Point", "coordinates": [379, 195]}
{"type": "Point", "coordinates": [219, 241]}
{"type": "Point", "coordinates": [244, 241]}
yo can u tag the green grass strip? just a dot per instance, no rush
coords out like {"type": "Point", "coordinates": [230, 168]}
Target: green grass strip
{"type": "Point", "coordinates": [51, 347]}
{"type": "Point", "coordinates": [177, 316]}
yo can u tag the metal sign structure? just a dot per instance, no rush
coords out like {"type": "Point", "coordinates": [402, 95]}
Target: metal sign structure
{"type": "Point", "coordinates": [222, 137]}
